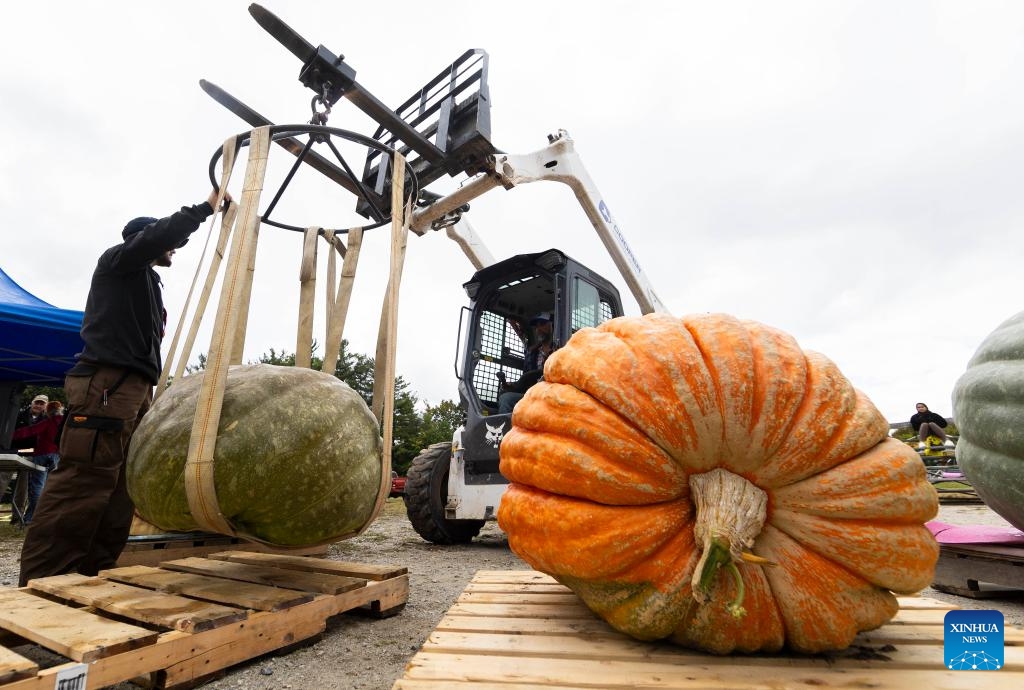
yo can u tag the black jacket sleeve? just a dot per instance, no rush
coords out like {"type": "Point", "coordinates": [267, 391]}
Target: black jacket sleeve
{"type": "Point", "coordinates": [921, 417]}
{"type": "Point", "coordinates": [140, 249]}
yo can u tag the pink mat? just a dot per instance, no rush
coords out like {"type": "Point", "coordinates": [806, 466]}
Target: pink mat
{"type": "Point", "coordinates": [975, 534]}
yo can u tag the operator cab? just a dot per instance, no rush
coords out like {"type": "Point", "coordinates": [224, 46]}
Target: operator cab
{"type": "Point", "coordinates": [504, 299]}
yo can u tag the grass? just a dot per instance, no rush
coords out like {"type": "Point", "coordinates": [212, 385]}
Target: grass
{"type": "Point", "coordinates": [393, 507]}
{"type": "Point", "coordinates": [10, 533]}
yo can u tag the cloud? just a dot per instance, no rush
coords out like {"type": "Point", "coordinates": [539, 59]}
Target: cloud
{"type": "Point", "coordinates": [845, 172]}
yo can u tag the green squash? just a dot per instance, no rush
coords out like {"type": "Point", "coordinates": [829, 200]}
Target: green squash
{"type": "Point", "coordinates": [988, 408]}
{"type": "Point", "coordinates": [297, 461]}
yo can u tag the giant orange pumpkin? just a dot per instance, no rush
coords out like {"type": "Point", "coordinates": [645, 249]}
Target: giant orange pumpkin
{"type": "Point", "coordinates": [705, 480]}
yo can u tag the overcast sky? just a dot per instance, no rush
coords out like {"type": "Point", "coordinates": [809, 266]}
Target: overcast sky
{"type": "Point", "coordinates": [849, 172]}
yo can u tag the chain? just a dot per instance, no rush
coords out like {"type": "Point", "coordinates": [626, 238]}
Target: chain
{"type": "Point", "coordinates": [320, 116]}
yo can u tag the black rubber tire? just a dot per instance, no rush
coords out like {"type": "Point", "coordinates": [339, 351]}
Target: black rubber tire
{"type": "Point", "coordinates": [426, 492]}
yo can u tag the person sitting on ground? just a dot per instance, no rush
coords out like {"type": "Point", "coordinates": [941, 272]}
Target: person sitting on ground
{"type": "Point", "coordinates": [43, 435]}
{"type": "Point", "coordinates": [926, 423]}
{"type": "Point", "coordinates": [533, 364]}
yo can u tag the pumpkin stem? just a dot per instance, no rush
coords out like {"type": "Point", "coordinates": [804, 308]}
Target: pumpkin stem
{"type": "Point", "coordinates": [730, 514]}
{"type": "Point", "coordinates": [735, 607]}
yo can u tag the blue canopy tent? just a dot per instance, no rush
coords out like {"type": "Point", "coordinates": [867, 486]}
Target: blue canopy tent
{"type": "Point", "coordinates": [38, 343]}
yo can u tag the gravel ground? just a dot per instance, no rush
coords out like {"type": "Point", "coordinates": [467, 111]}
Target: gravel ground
{"type": "Point", "coordinates": [363, 653]}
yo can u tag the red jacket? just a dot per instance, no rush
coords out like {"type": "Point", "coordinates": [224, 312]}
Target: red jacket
{"type": "Point", "coordinates": [44, 432]}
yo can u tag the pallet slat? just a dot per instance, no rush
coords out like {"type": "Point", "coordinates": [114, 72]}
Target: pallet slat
{"type": "Point", "coordinates": [153, 549]}
{"type": "Point", "coordinates": [323, 583]}
{"type": "Point", "coordinates": [229, 592]}
{"type": "Point", "coordinates": [365, 571]}
{"type": "Point", "coordinates": [73, 633]}
{"type": "Point", "coordinates": [970, 569]}
{"type": "Point", "coordinates": [14, 666]}
{"type": "Point", "coordinates": [620, 648]}
{"type": "Point", "coordinates": [146, 606]}
{"type": "Point", "coordinates": [448, 670]}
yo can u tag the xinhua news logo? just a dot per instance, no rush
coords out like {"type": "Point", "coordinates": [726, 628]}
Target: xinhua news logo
{"type": "Point", "coordinates": [973, 640]}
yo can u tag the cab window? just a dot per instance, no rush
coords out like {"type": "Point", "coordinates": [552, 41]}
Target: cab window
{"type": "Point", "coordinates": [589, 307]}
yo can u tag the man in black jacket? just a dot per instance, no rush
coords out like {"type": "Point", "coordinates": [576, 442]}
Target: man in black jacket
{"type": "Point", "coordinates": [84, 517]}
{"type": "Point", "coordinates": [926, 423]}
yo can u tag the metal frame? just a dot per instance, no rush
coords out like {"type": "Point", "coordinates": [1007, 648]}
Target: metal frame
{"type": "Point", "coordinates": [321, 134]}
{"type": "Point", "coordinates": [557, 162]}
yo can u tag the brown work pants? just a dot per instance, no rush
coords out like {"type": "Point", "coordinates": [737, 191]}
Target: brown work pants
{"type": "Point", "coordinates": [84, 515]}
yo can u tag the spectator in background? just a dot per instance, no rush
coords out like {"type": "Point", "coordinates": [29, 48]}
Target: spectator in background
{"type": "Point", "coordinates": [43, 435]}
{"type": "Point", "coordinates": [35, 412]}
{"type": "Point", "coordinates": [30, 414]}
{"type": "Point", "coordinates": [926, 423]}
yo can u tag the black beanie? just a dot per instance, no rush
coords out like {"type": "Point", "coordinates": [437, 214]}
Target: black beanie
{"type": "Point", "coordinates": [135, 225]}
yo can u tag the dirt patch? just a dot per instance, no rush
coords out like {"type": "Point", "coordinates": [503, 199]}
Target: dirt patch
{"type": "Point", "coordinates": [363, 653]}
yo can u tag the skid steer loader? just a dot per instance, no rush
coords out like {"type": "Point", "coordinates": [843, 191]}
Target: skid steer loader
{"type": "Point", "coordinates": [454, 487]}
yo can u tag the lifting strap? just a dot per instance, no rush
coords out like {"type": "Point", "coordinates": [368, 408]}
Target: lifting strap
{"type": "Point", "coordinates": [220, 251]}
{"type": "Point", "coordinates": [227, 165]}
{"type": "Point", "coordinates": [307, 297]}
{"type": "Point", "coordinates": [228, 329]}
{"type": "Point", "coordinates": [383, 404]}
{"type": "Point", "coordinates": [337, 303]}
{"type": "Point", "coordinates": [384, 363]}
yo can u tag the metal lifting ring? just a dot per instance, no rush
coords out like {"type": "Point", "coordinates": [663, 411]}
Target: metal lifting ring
{"type": "Point", "coordinates": [377, 206]}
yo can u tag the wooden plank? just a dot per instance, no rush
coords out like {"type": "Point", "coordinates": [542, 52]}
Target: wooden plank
{"type": "Point", "coordinates": [323, 583]}
{"type": "Point", "coordinates": [980, 571]}
{"type": "Point", "coordinates": [449, 670]}
{"type": "Point", "coordinates": [365, 571]}
{"type": "Point", "coordinates": [14, 666]}
{"type": "Point", "coordinates": [924, 634]}
{"type": "Point", "coordinates": [513, 577]}
{"type": "Point", "coordinates": [575, 611]}
{"type": "Point", "coordinates": [919, 617]}
{"type": "Point", "coordinates": [545, 598]}
{"type": "Point", "coordinates": [917, 602]}
{"type": "Point", "coordinates": [592, 626]}
{"type": "Point", "coordinates": [229, 592]}
{"type": "Point", "coordinates": [135, 603]}
{"type": "Point", "coordinates": [888, 634]}
{"type": "Point", "coordinates": [998, 552]}
{"type": "Point", "coordinates": [516, 587]}
{"type": "Point", "coordinates": [622, 648]}
{"type": "Point", "coordinates": [155, 552]}
{"type": "Point", "coordinates": [263, 633]}
{"type": "Point", "coordinates": [410, 684]}
{"type": "Point", "coordinates": [72, 633]}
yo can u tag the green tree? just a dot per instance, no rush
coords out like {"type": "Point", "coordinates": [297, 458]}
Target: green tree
{"type": "Point", "coordinates": [52, 392]}
{"type": "Point", "coordinates": [438, 423]}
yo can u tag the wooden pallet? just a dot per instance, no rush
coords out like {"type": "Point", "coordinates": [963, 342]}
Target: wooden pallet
{"type": "Point", "coordinates": [186, 620]}
{"type": "Point", "coordinates": [521, 629]}
{"type": "Point", "coordinates": [154, 549]}
{"type": "Point", "coordinates": [979, 571]}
